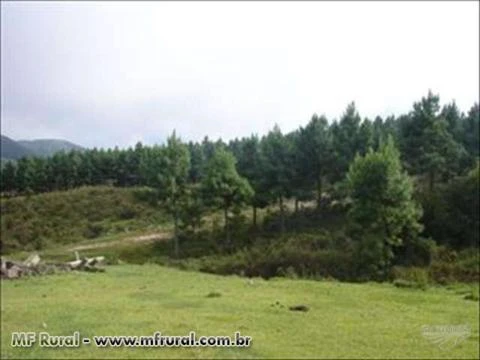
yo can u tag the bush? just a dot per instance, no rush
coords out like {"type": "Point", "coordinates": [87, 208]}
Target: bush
{"type": "Point", "coordinates": [305, 256]}
{"type": "Point", "coordinates": [401, 283]}
{"type": "Point", "coordinates": [146, 195]}
{"type": "Point", "coordinates": [444, 273]}
{"type": "Point", "coordinates": [288, 273]}
{"type": "Point", "coordinates": [449, 266]}
{"type": "Point", "coordinates": [473, 295]}
{"type": "Point", "coordinates": [213, 294]}
{"type": "Point", "coordinates": [93, 231]}
{"type": "Point", "coordinates": [412, 276]}
{"type": "Point", "coordinates": [451, 211]}
{"type": "Point", "coordinates": [127, 213]}
{"type": "Point", "coordinates": [444, 254]}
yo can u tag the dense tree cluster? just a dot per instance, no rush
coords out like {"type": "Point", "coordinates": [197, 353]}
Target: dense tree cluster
{"type": "Point", "coordinates": [437, 145]}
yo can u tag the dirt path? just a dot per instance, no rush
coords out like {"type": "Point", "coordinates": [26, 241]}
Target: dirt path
{"type": "Point", "coordinates": [129, 240]}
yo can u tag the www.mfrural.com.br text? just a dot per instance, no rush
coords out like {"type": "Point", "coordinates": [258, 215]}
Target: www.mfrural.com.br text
{"type": "Point", "coordinates": [44, 339]}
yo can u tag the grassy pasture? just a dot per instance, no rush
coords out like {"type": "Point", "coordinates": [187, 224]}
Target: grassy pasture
{"type": "Point", "coordinates": [344, 321]}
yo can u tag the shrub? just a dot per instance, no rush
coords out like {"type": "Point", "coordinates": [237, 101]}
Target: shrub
{"type": "Point", "coordinates": [291, 258]}
{"type": "Point", "coordinates": [213, 294]}
{"type": "Point", "coordinates": [93, 231]}
{"type": "Point", "coordinates": [474, 295]}
{"type": "Point", "coordinates": [127, 213]}
{"type": "Point", "coordinates": [449, 266]}
{"type": "Point", "coordinates": [415, 276]}
{"type": "Point", "coordinates": [401, 283]}
{"type": "Point", "coordinates": [289, 272]}
{"type": "Point", "coordinates": [451, 211]}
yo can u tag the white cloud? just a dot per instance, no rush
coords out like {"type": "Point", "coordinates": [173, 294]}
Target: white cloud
{"type": "Point", "coordinates": [96, 73]}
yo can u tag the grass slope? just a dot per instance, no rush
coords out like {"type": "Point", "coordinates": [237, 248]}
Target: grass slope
{"type": "Point", "coordinates": [345, 320]}
{"type": "Point", "coordinates": [63, 217]}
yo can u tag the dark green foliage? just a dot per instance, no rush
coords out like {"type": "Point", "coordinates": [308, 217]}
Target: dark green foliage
{"type": "Point", "coordinates": [93, 231]}
{"type": "Point", "coordinates": [470, 133]}
{"type": "Point", "coordinates": [250, 165]}
{"type": "Point", "coordinates": [451, 211]}
{"type": "Point", "coordinates": [314, 161]}
{"type": "Point", "coordinates": [474, 296]}
{"type": "Point", "coordinates": [346, 139]}
{"type": "Point", "coordinates": [7, 177]}
{"type": "Point", "coordinates": [172, 181]}
{"type": "Point", "coordinates": [197, 162]}
{"type": "Point", "coordinates": [303, 308]}
{"type": "Point", "coordinates": [449, 266]}
{"type": "Point", "coordinates": [192, 209]}
{"type": "Point", "coordinates": [365, 137]}
{"type": "Point", "coordinates": [383, 214]}
{"type": "Point", "coordinates": [426, 143]}
{"type": "Point", "coordinates": [410, 277]}
{"type": "Point", "coordinates": [278, 171]}
{"type": "Point", "coordinates": [463, 208]}
{"type": "Point", "coordinates": [272, 260]}
{"type": "Point", "coordinates": [401, 283]}
{"type": "Point", "coordinates": [25, 176]}
{"type": "Point", "coordinates": [223, 187]}
{"type": "Point", "coordinates": [214, 294]}
{"type": "Point", "coordinates": [453, 117]}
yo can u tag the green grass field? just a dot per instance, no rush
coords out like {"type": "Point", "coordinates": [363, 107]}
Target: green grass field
{"type": "Point", "coordinates": [344, 321]}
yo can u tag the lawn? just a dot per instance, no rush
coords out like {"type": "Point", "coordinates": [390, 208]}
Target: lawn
{"type": "Point", "coordinates": [344, 320]}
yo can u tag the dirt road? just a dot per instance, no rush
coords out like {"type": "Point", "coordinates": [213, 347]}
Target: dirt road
{"type": "Point", "coordinates": [129, 240]}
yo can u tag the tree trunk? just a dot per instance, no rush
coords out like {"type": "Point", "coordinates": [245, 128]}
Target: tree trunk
{"type": "Point", "coordinates": [282, 215]}
{"type": "Point", "coordinates": [431, 180]}
{"type": "Point", "coordinates": [319, 192]}
{"type": "Point", "coordinates": [296, 205]}
{"type": "Point", "coordinates": [175, 236]}
{"type": "Point", "coordinates": [227, 228]}
{"type": "Point", "coordinates": [254, 216]}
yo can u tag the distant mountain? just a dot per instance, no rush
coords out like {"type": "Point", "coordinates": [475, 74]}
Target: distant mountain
{"type": "Point", "coordinates": [14, 150]}
{"type": "Point", "coordinates": [48, 147]}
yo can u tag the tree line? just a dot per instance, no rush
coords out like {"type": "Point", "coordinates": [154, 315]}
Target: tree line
{"type": "Point", "coordinates": [436, 145]}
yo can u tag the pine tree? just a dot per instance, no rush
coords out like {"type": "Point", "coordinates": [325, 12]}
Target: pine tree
{"type": "Point", "coordinates": [250, 164]}
{"type": "Point", "coordinates": [427, 145]}
{"type": "Point", "coordinates": [278, 170]}
{"type": "Point", "coordinates": [346, 139]}
{"type": "Point", "coordinates": [224, 187]}
{"type": "Point", "coordinates": [8, 172]}
{"type": "Point", "coordinates": [383, 214]}
{"type": "Point", "coordinates": [172, 181]}
{"type": "Point", "coordinates": [315, 154]}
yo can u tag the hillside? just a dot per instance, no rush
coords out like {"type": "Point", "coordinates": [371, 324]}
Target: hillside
{"type": "Point", "coordinates": [81, 214]}
{"type": "Point", "coordinates": [48, 147]}
{"type": "Point", "coordinates": [12, 150]}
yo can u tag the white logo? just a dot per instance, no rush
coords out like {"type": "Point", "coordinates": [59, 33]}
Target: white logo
{"type": "Point", "coordinates": [446, 336]}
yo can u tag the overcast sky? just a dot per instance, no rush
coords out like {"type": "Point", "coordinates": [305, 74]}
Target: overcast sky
{"type": "Point", "coordinates": [104, 74]}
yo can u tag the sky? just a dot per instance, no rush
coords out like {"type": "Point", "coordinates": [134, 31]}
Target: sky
{"type": "Point", "coordinates": [114, 73]}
